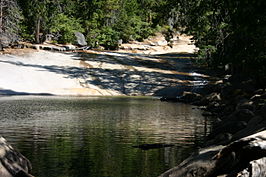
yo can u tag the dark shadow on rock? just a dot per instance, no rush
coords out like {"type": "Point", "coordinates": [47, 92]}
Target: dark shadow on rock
{"type": "Point", "coordinates": [4, 92]}
{"type": "Point", "coordinates": [153, 146]}
{"type": "Point", "coordinates": [129, 80]}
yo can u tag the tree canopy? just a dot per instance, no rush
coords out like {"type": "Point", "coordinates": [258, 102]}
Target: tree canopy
{"type": "Point", "coordinates": [228, 32]}
{"type": "Point", "coordinates": [231, 32]}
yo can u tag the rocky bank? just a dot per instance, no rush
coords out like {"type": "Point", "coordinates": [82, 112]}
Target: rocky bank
{"type": "Point", "coordinates": [237, 143]}
{"type": "Point", "coordinates": [12, 163]}
{"type": "Point", "coordinates": [145, 68]}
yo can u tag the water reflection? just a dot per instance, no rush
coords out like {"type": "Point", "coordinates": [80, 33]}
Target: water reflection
{"type": "Point", "coordinates": [94, 136]}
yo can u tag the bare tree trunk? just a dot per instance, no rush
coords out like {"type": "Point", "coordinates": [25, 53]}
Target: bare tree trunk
{"type": "Point", "coordinates": [37, 32]}
{"type": "Point", "coordinates": [1, 16]}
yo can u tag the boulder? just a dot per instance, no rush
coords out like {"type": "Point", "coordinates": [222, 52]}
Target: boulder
{"type": "Point", "coordinates": [210, 98]}
{"type": "Point", "coordinates": [259, 91]}
{"type": "Point", "coordinates": [241, 115]}
{"type": "Point", "coordinates": [190, 97]}
{"type": "Point", "coordinates": [198, 164]}
{"type": "Point", "coordinates": [246, 155]}
{"type": "Point", "coordinates": [255, 97]}
{"type": "Point", "coordinates": [207, 113]}
{"type": "Point", "coordinates": [227, 126]}
{"type": "Point", "coordinates": [80, 39]}
{"type": "Point", "coordinates": [215, 107]}
{"type": "Point", "coordinates": [256, 168]}
{"type": "Point", "coordinates": [12, 163]}
{"type": "Point", "coordinates": [245, 104]}
{"type": "Point", "coordinates": [221, 139]}
{"type": "Point", "coordinates": [214, 97]}
{"type": "Point", "coordinates": [256, 124]}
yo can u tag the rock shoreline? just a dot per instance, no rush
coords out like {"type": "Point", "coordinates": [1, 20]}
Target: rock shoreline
{"type": "Point", "coordinates": [236, 145]}
{"type": "Point", "coordinates": [12, 163]}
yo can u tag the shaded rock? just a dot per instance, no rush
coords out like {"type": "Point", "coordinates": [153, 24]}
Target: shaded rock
{"type": "Point", "coordinates": [190, 97]}
{"type": "Point", "coordinates": [12, 163]}
{"type": "Point", "coordinates": [255, 97]}
{"type": "Point", "coordinates": [263, 96]}
{"type": "Point", "coordinates": [227, 77]}
{"type": "Point", "coordinates": [227, 110]}
{"type": "Point", "coordinates": [80, 39]}
{"type": "Point", "coordinates": [221, 139]}
{"type": "Point", "coordinates": [248, 86]}
{"type": "Point", "coordinates": [210, 88]}
{"type": "Point", "coordinates": [256, 124]}
{"type": "Point", "coordinates": [259, 92]}
{"type": "Point", "coordinates": [172, 92]}
{"type": "Point", "coordinates": [256, 168]}
{"type": "Point", "coordinates": [262, 111]}
{"type": "Point", "coordinates": [227, 90]}
{"type": "Point", "coordinates": [207, 113]}
{"type": "Point", "coordinates": [227, 127]}
{"type": "Point", "coordinates": [241, 115]}
{"type": "Point", "coordinates": [245, 104]}
{"type": "Point", "coordinates": [199, 164]}
{"type": "Point", "coordinates": [227, 160]}
{"type": "Point", "coordinates": [243, 151]}
{"type": "Point", "coordinates": [214, 107]}
{"type": "Point", "coordinates": [214, 97]}
{"type": "Point", "coordinates": [169, 99]}
{"type": "Point", "coordinates": [255, 121]}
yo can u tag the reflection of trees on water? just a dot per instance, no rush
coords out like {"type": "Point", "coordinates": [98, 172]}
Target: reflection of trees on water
{"type": "Point", "coordinates": [81, 137]}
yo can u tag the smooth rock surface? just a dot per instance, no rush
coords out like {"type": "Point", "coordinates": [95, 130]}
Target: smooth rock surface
{"type": "Point", "coordinates": [12, 163]}
{"type": "Point", "coordinates": [238, 157]}
{"type": "Point", "coordinates": [80, 39]}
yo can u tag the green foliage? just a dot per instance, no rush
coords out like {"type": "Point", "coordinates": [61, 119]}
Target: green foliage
{"type": "Point", "coordinates": [108, 38]}
{"type": "Point", "coordinates": [103, 22]}
{"type": "Point", "coordinates": [205, 54]}
{"type": "Point", "coordinates": [65, 26]}
{"type": "Point", "coordinates": [227, 31]}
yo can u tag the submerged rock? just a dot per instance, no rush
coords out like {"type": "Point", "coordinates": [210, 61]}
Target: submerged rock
{"type": "Point", "coordinates": [12, 163]}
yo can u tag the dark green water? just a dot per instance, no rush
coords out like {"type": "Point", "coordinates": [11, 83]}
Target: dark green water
{"type": "Point", "coordinates": [79, 137]}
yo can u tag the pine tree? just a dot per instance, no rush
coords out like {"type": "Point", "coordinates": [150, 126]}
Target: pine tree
{"type": "Point", "coordinates": [10, 17]}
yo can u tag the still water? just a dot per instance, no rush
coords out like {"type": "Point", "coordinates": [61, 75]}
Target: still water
{"type": "Point", "coordinates": [79, 137]}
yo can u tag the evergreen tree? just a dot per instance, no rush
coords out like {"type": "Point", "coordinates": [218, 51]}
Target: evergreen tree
{"type": "Point", "coordinates": [10, 18]}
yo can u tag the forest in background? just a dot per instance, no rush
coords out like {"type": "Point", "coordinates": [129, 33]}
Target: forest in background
{"type": "Point", "coordinates": [227, 32]}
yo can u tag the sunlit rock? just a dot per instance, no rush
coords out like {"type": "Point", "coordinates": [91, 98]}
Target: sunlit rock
{"type": "Point", "coordinates": [244, 157]}
{"type": "Point", "coordinates": [12, 163]}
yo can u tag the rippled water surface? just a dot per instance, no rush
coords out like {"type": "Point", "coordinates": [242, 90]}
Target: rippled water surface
{"type": "Point", "coordinates": [79, 137]}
